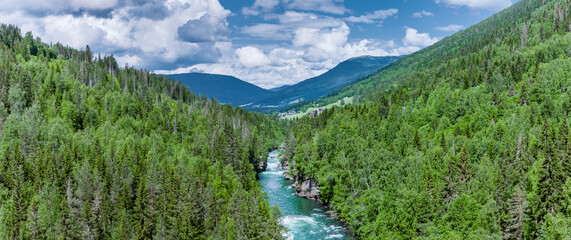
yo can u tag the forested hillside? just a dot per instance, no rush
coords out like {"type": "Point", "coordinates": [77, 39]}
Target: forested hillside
{"type": "Point", "coordinates": [467, 139]}
{"type": "Point", "coordinates": [90, 150]}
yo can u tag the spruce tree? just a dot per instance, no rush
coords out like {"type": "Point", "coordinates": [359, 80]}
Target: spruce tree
{"type": "Point", "coordinates": [67, 227]}
{"type": "Point", "coordinates": [564, 150]}
{"type": "Point", "coordinates": [547, 199]}
{"type": "Point", "coordinates": [517, 215]}
{"type": "Point", "coordinates": [463, 172]}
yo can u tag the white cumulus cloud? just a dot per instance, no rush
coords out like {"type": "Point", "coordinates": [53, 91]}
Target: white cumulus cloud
{"type": "Point", "coordinates": [328, 6]}
{"type": "Point", "coordinates": [251, 57]}
{"type": "Point", "coordinates": [123, 32]}
{"type": "Point", "coordinates": [90, 4]}
{"type": "Point", "coordinates": [422, 13]}
{"type": "Point", "coordinates": [414, 38]}
{"type": "Point", "coordinates": [313, 51]}
{"type": "Point", "coordinates": [327, 40]}
{"type": "Point", "coordinates": [177, 36]}
{"type": "Point", "coordinates": [288, 23]}
{"type": "Point", "coordinates": [450, 28]}
{"type": "Point", "coordinates": [372, 17]}
{"type": "Point", "coordinates": [205, 29]}
{"type": "Point", "coordinates": [478, 4]}
{"type": "Point", "coordinates": [260, 6]}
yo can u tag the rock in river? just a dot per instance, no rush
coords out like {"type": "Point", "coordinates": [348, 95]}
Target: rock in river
{"type": "Point", "coordinates": [307, 188]}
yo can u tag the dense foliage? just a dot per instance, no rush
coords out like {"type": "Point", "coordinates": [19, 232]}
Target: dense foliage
{"type": "Point", "coordinates": [89, 150]}
{"type": "Point", "coordinates": [467, 139]}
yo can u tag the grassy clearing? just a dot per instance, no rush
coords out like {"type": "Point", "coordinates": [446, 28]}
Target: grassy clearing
{"type": "Point", "coordinates": [345, 101]}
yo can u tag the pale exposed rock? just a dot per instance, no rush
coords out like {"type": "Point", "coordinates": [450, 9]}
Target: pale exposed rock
{"type": "Point", "coordinates": [262, 166]}
{"type": "Point", "coordinates": [287, 168]}
{"type": "Point", "coordinates": [307, 188]}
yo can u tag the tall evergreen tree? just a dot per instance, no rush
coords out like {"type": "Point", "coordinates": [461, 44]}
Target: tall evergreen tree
{"type": "Point", "coordinates": [517, 215]}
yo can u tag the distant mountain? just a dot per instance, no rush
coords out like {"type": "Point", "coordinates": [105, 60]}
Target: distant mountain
{"type": "Point", "coordinates": [344, 73]}
{"type": "Point", "coordinates": [231, 90]}
{"type": "Point", "coordinates": [226, 89]}
{"type": "Point", "coordinates": [277, 89]}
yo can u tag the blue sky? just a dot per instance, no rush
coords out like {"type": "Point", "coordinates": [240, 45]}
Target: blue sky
{"type": "Point", "coordinates": [266, 42]}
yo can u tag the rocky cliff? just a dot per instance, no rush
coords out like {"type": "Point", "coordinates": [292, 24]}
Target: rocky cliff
{"type": "Point", "coordinates": [262, 165]}
{"type": "Point", "coordinates": [304, 187]}
{"type": "Point", "coordinates": [287, 169]}
{"type": "Point", "coordinates": [307, 188]}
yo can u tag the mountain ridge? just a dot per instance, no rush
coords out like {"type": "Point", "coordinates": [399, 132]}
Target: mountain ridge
{"type": "Point", "coordinates": [313, 88]}
{"type": "Point", "coordinates": [232, 90]}
{"type": "Point", "coordinates": [450, 46]}
{"type": "Point", "coordinates": [226, 89]}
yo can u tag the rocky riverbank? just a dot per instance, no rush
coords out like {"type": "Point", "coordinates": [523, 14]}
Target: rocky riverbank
{"type": "Point", "coordinates": [304, 187]}
{"type": "Point", "coordinates": [304, 218]}
{"type": "Point", "coordinates": [307, 188]}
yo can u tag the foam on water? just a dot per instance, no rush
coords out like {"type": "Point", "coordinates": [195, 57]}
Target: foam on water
{"type": "Point", "coordinates": [281, 173]}
{"type": "Point", "coordinates": [332, 228]}
{"type": "Point", "coordinates": [273, 166]}
{"type": "Point", "coordinates": [297, 220]}
{"type": "Point", "coordinates": [318, 215]}
{"type": "Point", "coordinates": [331, 236]}
{"type": "Point", "coordinates": [303, 218]}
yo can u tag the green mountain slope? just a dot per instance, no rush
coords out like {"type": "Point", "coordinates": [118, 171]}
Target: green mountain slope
{"type": "Point", "coordinates": [467, 139]}
{"type": "Point", "coordinates": [226, 89]}
{"type": "Point", "coordinates": [476, 43]}
{"type": "Point", "coordinates": [89, 150]}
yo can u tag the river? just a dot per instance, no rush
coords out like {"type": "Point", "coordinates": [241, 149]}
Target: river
{"type": "Point", "coordinates": [304, 218]}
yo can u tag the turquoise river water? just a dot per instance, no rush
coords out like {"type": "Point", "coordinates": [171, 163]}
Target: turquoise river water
{"type": "Point", "coordinates": [304, 218]}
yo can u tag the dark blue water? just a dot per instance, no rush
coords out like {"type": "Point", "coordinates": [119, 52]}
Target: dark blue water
{"type": "Point", "coordinates": [304, 218]}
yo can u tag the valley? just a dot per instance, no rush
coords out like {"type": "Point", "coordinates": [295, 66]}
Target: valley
{"type": "Point", "coordinates": [234, 91]}
{"type": "Point", "coordinates": [451, 132]}
{"type": "Point", "coordinates": [303, 218]}
{"type": "Point", "coordinates": [312, 110]}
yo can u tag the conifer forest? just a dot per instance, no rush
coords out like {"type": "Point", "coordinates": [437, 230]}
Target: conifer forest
{"type": "Point", "coordinates": [468, 138]}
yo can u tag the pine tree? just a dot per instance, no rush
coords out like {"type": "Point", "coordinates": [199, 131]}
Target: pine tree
{"type": "Point", "coordinates": [20, 198]}
{"type": "Point", "coordinates": [143, 221]}
{"type": "Point", "coordinates": [450, 180]}
{"type": "Point", "coordinates": [122, 228]}
{"type": "Point", "coordinates": [33, 230]}
{"type": "Point", "coordinates": [564, 150]}
{"type": "Point", "coordinates": [547, 198]}
{"type": "Point", "coordinates": [67, 226]}
{"type": "Point", "coordinates": [102, 212]}
{"type": "Point", "coordinates": [523, 95]}
{"type": "Point", "coordinates": [516, 215]}
{"type": "Point", "coordinates": [468, 131]}
{"type": "Point", "coordinates": [86, 222]}
{"type": "Point", "coordinates": [417, 142]}
{"type": "Point", "coordinates": [463, 173]}
{"type": "Point", "coordinates": [6, 166]}
{"type": "Point", "coordinates": [518, 161]}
